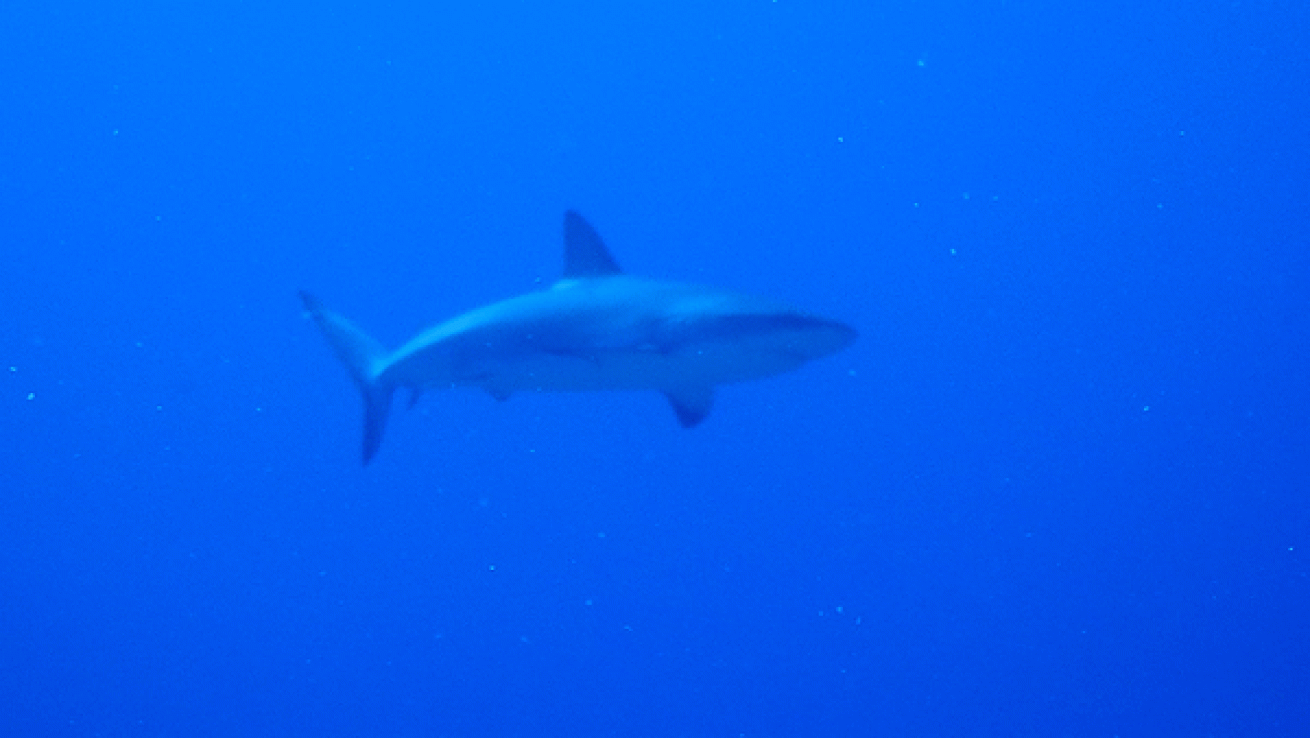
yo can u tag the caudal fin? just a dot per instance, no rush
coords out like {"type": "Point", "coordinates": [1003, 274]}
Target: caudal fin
{"type": "Point", "coordinates": [365, 358]}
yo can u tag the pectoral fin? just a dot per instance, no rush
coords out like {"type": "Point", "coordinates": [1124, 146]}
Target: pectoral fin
{"type": "Point", "coordinates": [691, 404]}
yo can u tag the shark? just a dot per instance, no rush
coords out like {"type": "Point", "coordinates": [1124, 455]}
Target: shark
{"type": "Point", "coordinates": [597, 328]}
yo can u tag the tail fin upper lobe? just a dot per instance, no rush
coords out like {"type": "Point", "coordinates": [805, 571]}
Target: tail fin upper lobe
{"type": "Point", "coordinates": [365, 358]}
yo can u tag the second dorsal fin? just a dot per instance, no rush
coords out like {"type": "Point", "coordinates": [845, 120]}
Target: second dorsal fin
{"type": "Point", "coordinates": [585, 254]}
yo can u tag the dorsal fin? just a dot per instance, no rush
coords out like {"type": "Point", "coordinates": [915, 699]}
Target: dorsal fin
{"type": "Point", "coordinates": [585, 254]}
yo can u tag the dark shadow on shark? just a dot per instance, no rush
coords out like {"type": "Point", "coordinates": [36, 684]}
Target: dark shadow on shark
{"type": "Point", "coordinates": [594, 329]}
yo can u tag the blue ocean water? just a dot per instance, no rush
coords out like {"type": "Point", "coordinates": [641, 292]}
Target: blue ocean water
{"type": "Point", "coordinates": [1058, 487]}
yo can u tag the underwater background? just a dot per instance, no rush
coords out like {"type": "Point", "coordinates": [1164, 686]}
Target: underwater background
{"type": "Point", "coordinates": [1057, 487]}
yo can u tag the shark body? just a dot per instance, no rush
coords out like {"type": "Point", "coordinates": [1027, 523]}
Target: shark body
{"type": "Point", "coordinates": [595, 329]}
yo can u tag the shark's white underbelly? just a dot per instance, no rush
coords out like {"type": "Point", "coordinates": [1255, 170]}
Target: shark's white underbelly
{"type": "Point", "coordinates": [623, 370]}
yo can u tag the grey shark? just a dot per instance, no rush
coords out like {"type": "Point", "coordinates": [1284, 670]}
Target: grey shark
{"type": "Point", "coordinates": [595, 329]}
